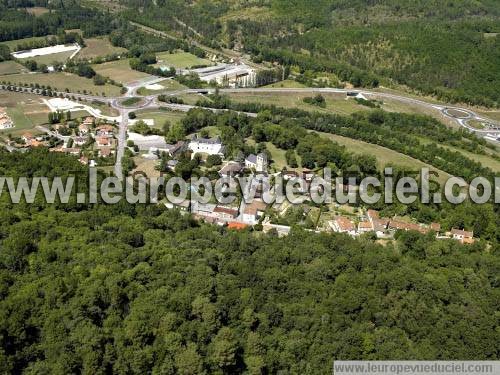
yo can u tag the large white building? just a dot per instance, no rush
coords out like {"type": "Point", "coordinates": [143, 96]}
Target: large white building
{"type": "Point", "coordinates": [232, 75]}
{"type": "Point", "coordinates": [210, 146]}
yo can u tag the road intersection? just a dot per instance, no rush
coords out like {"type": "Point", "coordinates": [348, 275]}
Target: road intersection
{"type": "Point", "coordinates": [461, 116]}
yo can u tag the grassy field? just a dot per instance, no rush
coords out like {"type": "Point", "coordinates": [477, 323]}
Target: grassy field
{"type": "Point", "coordinates": [191, 99]}
{"type": "Point", "coordinates": [119, 71]}
{"type": "Point", "coordinates": [384, 155]}
{"type": "Point", "coordinates": [180, 60]}
{"type": "Point", "coordinates": [288, 83]}
{"type": "Point", "coordinates": [277, 155]}
{"type": "Point", "coordinates": [98, 47]}
{"type": "Point", "coordinates": [104, 108]}
{"type": "Point", "coordinates": [147, 166]}
{"type": "Point", "coordinates": [476, 124]}
{"type": "Point", "coordinates": [12, 44]}
{"type": "Point", "coordinates": [168, 84]}
{"type": "Point", "coordinates": [10, 67]}
{"type": "Point", "coordinates": [335, 103]}
{"type": "Point", "coordinates": [61, 81]}
{"type": "Point", "coordinates": [129, 102]}
{"type": "Point", "coordinates": [27, 111]}
{"type": "Point", "coordinates": [160, 116]}
{"type": "Point", "coordinates": [492, 114]}
{"type": "Point", "coordinates": [486, 160]}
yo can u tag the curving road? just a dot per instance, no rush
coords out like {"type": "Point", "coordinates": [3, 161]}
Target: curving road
{"type": "Point", "coordinates": [461, 116]}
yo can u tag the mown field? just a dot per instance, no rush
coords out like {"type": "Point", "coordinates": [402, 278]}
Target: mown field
{"type": "Point", "coordinates": [335, 103]}
{"type": "Point", "coordinates": [98, 47]}
{"type": "Point", "coordinates": [62, 81]}
{"type": "Point", "coordinates": [383, 155]}
{"type": "Point", "coordinates": [119, 71]}
{"type": "Point", "coordinates": [10, 67]}
{"type": "Point", "coordinates": [180, 60]}
{"type": "Point", "coordinates": [26, 110]}
{"type": "Point", "coordinates": [168, 85]}
{"type": "Point", "coordinates": [160, 116]}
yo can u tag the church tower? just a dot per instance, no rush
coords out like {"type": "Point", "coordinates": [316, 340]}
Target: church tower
{"type": "Point", "coordinates": [261, 164]}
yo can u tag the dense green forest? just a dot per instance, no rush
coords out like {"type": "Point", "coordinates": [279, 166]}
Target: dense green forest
{"type": "Point", "coordinates": [447, 49]}
{"type": "Point", "coordinates": [18, 23]}
{"type": "Point", "coordinates": [139, 290]}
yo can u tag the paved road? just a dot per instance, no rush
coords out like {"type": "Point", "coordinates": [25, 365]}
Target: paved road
{"type": "Point", "coordinates": [122, 141]}
{"type": "Point", "coordinates": [461, 116]}
{"type": "Point", "coordinates": [444, 109]}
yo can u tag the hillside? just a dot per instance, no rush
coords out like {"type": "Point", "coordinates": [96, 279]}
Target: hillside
{"type": "Point", "coordinates": [138, 289]}
{"type": "Point", "coordinates": [447, 49]}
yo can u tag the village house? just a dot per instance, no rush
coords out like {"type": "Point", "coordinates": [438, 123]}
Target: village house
{"type": "Point", "coordinates": [88, 122]}
{"type": "Point", "coordinates": [436, 227]}
{"type": "Point", "coordinates": [183, 206]}
{"type": "Point", "coordinates": [5, 121]}
{"type": "Point", "coordinates": [102, 141]}
{"type": "Point", "coordinates": [225, 213]}
{"type": "Point", "coordinates": [462, 236]}
{"type": "Point", "coordinates": [257, 162]}
{"type": "Point", "coordinates": [365, 227]}
{"type": "Point", "coordinates": [210, 146]}
{"type": "Point", "coordinates": [372, 214]}
{"type": "Point", "coordinates": [72, 151]}
{"type": "Point", "coordinates": [254, 211]}
{"type": "Point", "coordinates": [172, 163]}
{"type": "Point", "coordinates": [379, 226]}
{"type": "Point", "coordinates": [231, 169]}
{"type": "Point", "coordinates": [342, 224]}
{"type": "Point", "coordinates": [395, 225]}
{"type": "Point", "coordinates": [83, 129]}
{"type": "Point", "coordinates": [104, 131]}
{"type": "Point", "coordinates": [203, 209]}
{"type": "Point", "coordinates": [79, 141]}
{"type": "Point", "coordinates": [281, 230]}
{"type": "Point", "coordinates": [289, 175]}
{"type": "Point", "coordinates": [27, 138]}
{"type": "Point", "coordinates": [105, 152]}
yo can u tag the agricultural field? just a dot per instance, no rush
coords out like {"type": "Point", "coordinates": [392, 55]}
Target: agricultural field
{"type": "Point", "coordinates": [98, 47]}
{"type": "Point", "coordinates": [119, 71]}
{"type": "Point", "coordinates": [62, 81]}
{"type": "Point", "coordinates": [160, 116]}
{"type": "Point", "coordinates": [26, 110]}
{"type": "Point", "coordinates": [10, 67]}
{"type": "Point", "coordinates": [383, 155]}
{"type": "Point", "coordinates": [168, 85]}
{"type": "Point", "coordinates": [180, 60]}
{"type": "Point", "coordinates": [335, 103]}
{"type": "Point", "coordinates": [287, 83]}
